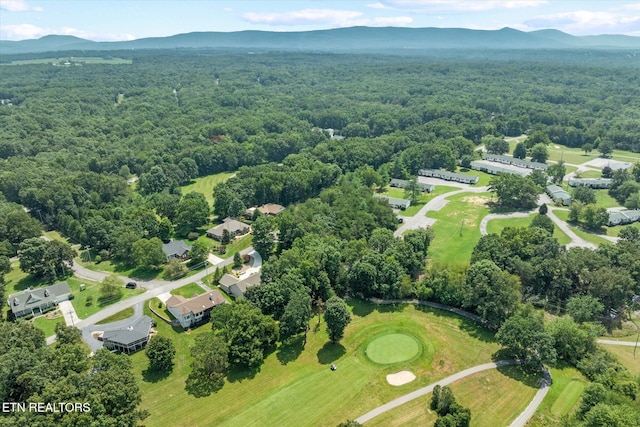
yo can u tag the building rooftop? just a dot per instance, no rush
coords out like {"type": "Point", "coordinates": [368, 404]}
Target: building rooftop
{"type": "Point", "coordinates": [130, 334]}
{"type": "Point", "coordinates": [31, 298]}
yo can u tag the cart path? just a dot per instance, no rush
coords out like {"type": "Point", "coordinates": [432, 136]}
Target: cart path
{"type": "Point", "coordinates": [428, 389]}
{"type": "Point", "coordinates": [613, 342]}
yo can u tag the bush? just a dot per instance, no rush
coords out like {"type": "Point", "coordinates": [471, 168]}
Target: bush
{"type": "Point", "coordinates": [193, 235]}
{"type": "Point", "coordinates": [245, 258]}
{"type": "Point", "coordinates": [98, 259]}
{"type": "Point", "coordinates": [222, 249]}
{"type": "Point", "coordinates": [104, 254]}
{"type": "Point", "coordinates": [89, 301]}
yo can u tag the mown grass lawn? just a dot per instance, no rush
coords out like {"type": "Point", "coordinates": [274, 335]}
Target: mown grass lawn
{"type": "Point", "coordinates": [188, 291]}
{"type": "Point", "coordinates": [422, 200]}
{"type": "Point", "coordinates": [121, 315]}
{"type": "Point", "coordinates": [495, 398]}
{"type": "Point", "coordinates": [119, 268]}
{"type": "Point", "coordinates": [205, 184]}
{"type": "Point", "coordinates": [563, 397]}
{"type": "Point", "coordinates": [591, 174]}
{"type": "Point", "coordinates": [457, 229]}
{"type": "Point", "coordinates": [589, 237]}
{"type": "Point", "coordinates": [48, 326]}
{"type": "Point", "coordinates": [295, 385]}
{"type": "Point", "coordinates": [496, 226]}
{"type": "Point", "coordinates": [484, 180]}
{"type": "Point", "coordinates": [605, 200]}
{"type": "Point", "coordinates": [91, 293]}
{"type": "Point", "coordinates": [615, 231]}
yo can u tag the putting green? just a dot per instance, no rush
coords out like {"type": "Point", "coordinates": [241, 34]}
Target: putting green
{"type": "Point", "coordinates": [393, 348]}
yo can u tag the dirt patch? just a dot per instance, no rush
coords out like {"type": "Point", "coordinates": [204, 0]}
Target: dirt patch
{"type": "Point", "coordinates": [56, 314]}
{"type": "Point", "coordinates": [475, 200]}
{"type": "Point", "coordinates": [400, 378]}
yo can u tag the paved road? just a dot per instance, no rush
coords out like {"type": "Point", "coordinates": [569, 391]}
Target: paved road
{"type": "Point", "coordinates": [575, 239]}
{"type": "Point", "coordinates": [420, 220]}
{"type": "Point", "coordinates": [530, 410]}
{"type": "Point", "coordinates": [486, 219]}
{"type": "Point", "coordinates": [428, 389]}
{"type": "Point", "coordinates": [153, 289]}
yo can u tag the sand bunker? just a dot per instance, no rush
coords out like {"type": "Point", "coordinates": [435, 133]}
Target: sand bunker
{"type": "Point", "coordinates": [400, 378]}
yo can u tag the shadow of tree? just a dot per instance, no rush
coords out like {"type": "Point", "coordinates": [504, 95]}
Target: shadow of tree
{"type": "Point", "coordinates": [199, 384]}
{"type": "Point", "coordinates": [155, 375]}
{"type": "Point", "coordinates": [240, 373]}
{"type": "Point", "coordinates": [360, 308]}
{"type": "Point", "coordinates": [290, 350]}
{"type": "Point", "coordinates": [330, 352]}
{"type": "Point", "coordinates": [526, 374]}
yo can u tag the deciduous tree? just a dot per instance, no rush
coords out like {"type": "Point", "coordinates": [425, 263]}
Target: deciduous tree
{"type": "Point", "coordinates": [160, 351]}
{"type": "Point", "coordinates": [337, 317]}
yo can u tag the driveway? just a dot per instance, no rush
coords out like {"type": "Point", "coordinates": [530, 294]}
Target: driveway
{"type": "Point", "coordinates": [69, 313]}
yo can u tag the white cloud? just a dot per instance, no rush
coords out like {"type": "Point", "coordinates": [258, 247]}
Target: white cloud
{"type": "Point", "coordinates": [325, 17]}
{"type": "Point", "coordinates": [28, 31]}
{"type": "Point", "coordinates": [302, 17]}
{"type": "Point", "coordinates": [455, 6]}
{"type": "Point", "coordinates": [378, 6]}
{"type": "Point", "coordinates": [583, 22]}
{"type": "Point", "coordinates": [228, 9]}
{"type": "Point", "coordinates": [17, 6]}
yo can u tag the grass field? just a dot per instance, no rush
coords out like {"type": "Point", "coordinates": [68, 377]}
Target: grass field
{"type": "Point", "coordinates": [485, 178]}
{"type": "Point", "coordinates": [295, 385]}
{"type": "Point", "coordinates": [605, 200]}
{"type": "Point", "coordinates": [393, 347]}
{"type": "Point", "coordinates": [121, 315]}
{"type": "Point", "coordinates": [188, 291]}
{"type": "Point", "coordinates": [495, 398]}
{"type": "Point", "coordinates": [562, 399]}
{"type": "Point", "coordinates": [205, 184]}
{"type": "Point", "coordinates": [497, 225]}
{"type": "Point", "coordinates": [424, 198]}
{"type": "Point", "coordinates": [457, 229]}
{"type": "Point", "coordinates": [591, 174]}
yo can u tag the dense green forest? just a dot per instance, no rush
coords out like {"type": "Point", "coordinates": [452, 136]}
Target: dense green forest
{"type": "Point", "coordinates": [72, 139]}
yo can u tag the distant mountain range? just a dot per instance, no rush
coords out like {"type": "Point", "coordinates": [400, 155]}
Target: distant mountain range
{"type": "Point", "coordinates": [352, 39]}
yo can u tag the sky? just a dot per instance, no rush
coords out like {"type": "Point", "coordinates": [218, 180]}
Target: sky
{"type": "Point", "coordinates": [133, 19]}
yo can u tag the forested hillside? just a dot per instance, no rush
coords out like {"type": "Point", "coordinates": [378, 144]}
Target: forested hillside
{"type": "Point", "coordinates": [99, 152]}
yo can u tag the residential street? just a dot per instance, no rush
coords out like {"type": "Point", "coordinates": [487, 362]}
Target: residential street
{"type": "Point", "coordinates": [153, 289]}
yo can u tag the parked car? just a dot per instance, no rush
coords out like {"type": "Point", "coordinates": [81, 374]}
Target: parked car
{"type": "Point", "coordinates": [131, 285]}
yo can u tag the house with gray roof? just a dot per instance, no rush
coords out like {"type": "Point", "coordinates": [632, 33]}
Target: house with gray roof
{"type": "Point", "coordinates": [493, 169]}
{"type": "Point", "coordinates": [236, 286]}
{"type": "Point", "coordinates": [623, 217]}
{"type": "Point", "coordinates": [558, 195]}
{"type": "Point", "coordinates": [233, 226]}
{"type": "Point", "coordinates": [402, 183]}
{"type": "Point", "coordinates": [129, 339]}
{"type": "Point", "coordinates": [38, 301]}
{"type": "Point", "coordinates": [514, 161]}
{"type": "Point", "coordinates": [595, 183]}
{"type": "Point", "coordinates": [176, 249]}
{"type": "Point", "coordinates": [196, 310]}
{"type": "Point", "coordinates": [449, 176]}
{"type": "Point", "coordinates": [396, 203]}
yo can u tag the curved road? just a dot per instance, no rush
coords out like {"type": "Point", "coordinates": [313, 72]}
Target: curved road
{"type": "Point", "coordinates": [420, 220]}
{"type": "Point", "coordinates": [153, 287]}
